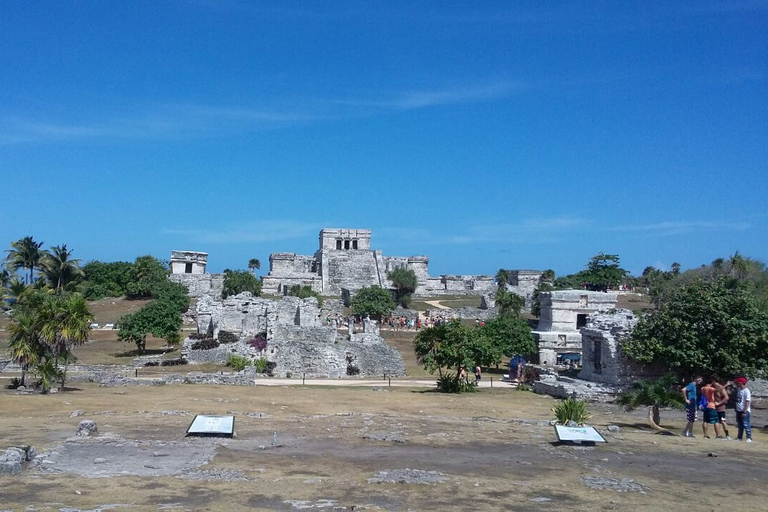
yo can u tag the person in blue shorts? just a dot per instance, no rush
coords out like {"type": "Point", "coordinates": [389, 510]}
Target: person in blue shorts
{"type": "Point", "coordinates": [516, 366]}
{"type": "Point", "coordinates": [689, 395]}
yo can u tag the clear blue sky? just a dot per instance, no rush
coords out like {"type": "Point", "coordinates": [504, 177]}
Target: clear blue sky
{"type": "Point", "coordinates": [483, 134]}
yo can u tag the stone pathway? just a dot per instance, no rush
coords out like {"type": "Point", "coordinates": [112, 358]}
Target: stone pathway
{"type": "Point", "coordinates": [374, 383]}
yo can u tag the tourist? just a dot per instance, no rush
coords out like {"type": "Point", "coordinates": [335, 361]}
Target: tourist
{"type": "Point", "coordinates": [516, 367]}
{"type": "Point", "coordinates": [463, 373]}
{"type": "Point", "coordinates": [689, 395]}
{"type": "Point", "coordinates": [478, 374]}
{"type": "Point", "coordinates": [710, 417]}
{"type": "Point", "coordinates": [721, 399]}
{"type": "Point", "coordinates": [743, 408]}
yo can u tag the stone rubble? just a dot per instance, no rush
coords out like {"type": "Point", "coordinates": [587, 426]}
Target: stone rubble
{"type": "Point", "coordinates": [408, 476]}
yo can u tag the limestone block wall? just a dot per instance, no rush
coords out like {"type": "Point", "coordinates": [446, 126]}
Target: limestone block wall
{"type": "Point", "coordinates": [358, 239]}
{"type": "Point", "coordinates": [200, 284]}
{"type": "Point", "coordinates": [603, 359]}
{"type": "Point", "coordinates": [560, 309]}
{"type": "Point", "coordinates": [194, 261]}
{"type": "Point", "coordinates": [348, 269]}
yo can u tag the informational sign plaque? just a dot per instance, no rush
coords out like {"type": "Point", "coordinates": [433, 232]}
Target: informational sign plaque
{"type": "Point", "coordinates": [207, 425]}
{"type": "Point", "coordinates": [578, 434]}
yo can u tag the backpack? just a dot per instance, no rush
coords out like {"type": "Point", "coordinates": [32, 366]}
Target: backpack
{"type": "Point", "coordinates": [702, 402]}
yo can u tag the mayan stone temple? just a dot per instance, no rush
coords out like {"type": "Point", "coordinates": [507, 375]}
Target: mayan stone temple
{"type": "Point", "coordinates": [345, 261]}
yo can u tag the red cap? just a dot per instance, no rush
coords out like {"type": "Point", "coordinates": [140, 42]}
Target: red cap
{"type": "Point", "coordinates": [740, 380]}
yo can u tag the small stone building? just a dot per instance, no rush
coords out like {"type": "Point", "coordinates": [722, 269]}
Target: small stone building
{"type": "Point", "coordinates": [601, 346]}
{"type": "Point", "coordinates": [188, 268]}
{"type": "Point", "coordinates": [563, 314]}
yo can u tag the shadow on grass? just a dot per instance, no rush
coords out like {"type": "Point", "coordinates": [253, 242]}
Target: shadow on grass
{"type": "Point", "coordinates": [147, 352]}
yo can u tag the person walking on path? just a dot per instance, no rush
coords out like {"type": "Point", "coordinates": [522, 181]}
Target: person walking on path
{"type": "Point", "coordinates": [743, 408]}
{"type": "Point", "coordinates": [710, 410]}
{"type": "Point", "coordinates": [689, 395]}
{"type": "Point", "coordinates": [478, 374]}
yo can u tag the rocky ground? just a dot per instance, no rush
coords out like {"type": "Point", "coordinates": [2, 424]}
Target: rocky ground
{"type": "Point", "coordinates": [302, 448]}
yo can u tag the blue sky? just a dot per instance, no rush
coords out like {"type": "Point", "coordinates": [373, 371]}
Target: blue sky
{"type": "Point", "coordinates": [483, 134]}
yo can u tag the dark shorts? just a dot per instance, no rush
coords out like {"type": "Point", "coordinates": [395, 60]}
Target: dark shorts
{"type": "Point", "coordinates": [710, 416]}
{"type": "Point", "coordinates": [721, 416]}
{"type": "Point", "coordinates": [477, 376]}
{"type": "Point", "coordinates": [690, 412]}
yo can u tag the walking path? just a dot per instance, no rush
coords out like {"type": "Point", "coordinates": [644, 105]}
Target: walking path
{"type": "Point", "coordinates": [401, 383]}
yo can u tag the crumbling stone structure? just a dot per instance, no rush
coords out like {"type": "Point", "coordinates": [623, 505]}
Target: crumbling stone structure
{"type": "Point", "coordinates": [563, 314]}
{"type": "Point", "coordinates": [603, 359]}
{"type": "Point", "coordinates": [188, 268]}
{"type": "Point", "coordinates": [345, 260]}
{"type": "Point", "coordinates": [297, 341]}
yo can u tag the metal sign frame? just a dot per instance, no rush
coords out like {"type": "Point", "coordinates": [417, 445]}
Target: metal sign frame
{"type": "Point", "coordinates": [583, 434]}
{"type": "Point", "coordinates": [210, 425]}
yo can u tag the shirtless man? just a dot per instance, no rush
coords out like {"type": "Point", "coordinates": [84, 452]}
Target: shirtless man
{"type": "Point", "coordinates": [721, 399]}
{"type": "Point", "coordinates": [710, 412]}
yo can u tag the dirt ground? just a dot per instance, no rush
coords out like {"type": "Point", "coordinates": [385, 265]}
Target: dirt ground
{"type": "Point", "coordinates": [492, 450]}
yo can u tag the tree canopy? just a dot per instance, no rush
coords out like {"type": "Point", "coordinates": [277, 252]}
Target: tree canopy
{"type": "Point", "coordinates": [602, 273]}
{"type": "Point", "coordinates": [239, 281]}
{"type": "Point", "coordinates": [304, 291]}
{"type": "Point", "coordinates": [373, 301]}
{"type": "Point", "coordinates": [160, 318]}
{"type": "Point", "coordinates": [405, 283]}
{"type": "Point", "coordinates": [705, 327]}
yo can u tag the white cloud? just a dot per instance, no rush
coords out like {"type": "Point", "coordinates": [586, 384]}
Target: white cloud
{"type": "Point", "coordinates": [249, 232]}
{"type": "Point", "coordinates": [667, 228]}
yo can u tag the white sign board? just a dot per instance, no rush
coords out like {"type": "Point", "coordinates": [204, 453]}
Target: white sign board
{"type": "Point", "coordinates": [578, 434]}
{"type": "Point", "coordinates": [205, 425]}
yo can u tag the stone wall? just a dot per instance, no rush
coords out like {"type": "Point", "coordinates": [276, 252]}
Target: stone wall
{"type": "Point", "coordinates": [298, 341]}
{"type": "Point", "coordinates": [188, 262]}
{"type": "Point", "coordinates": [602, 356]}
{"type": "Point", "coordinates": [200, 284]}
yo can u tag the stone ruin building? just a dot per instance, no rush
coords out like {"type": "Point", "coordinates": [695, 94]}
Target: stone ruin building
{"type": "Point", "coordinates": [563, 314]}
{"type": "Point", "coordinates": [601, 347]}
{"type": "Point", "coordinates": [188, 268]}
{"type": "Point", "coordinates": [345, 261]}
{"type": "Point", "coordinates": [297, 340]}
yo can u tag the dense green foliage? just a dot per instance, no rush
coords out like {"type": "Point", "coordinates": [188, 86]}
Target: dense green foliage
{"type": "Point", "coordinates": [147, 274]}
{"type": "Point", "coordinates": [43, 330]}
{"type": "Point", "coordinates": [239, 281]}
{"type": "Point", "coordinates": [106, 279]}
{"type": "Point", "coordinates": [61, 271]}
{"type": "Point", "coordinates": [446, 348]}
{"type": "Point", "coordinates": [509, 303]}
{"type": "Point", "coordinates": [160, 318]}
{"type": "Point", "coordinates": [603, 272]}
{"type": "Point", "coordinates": [373, 301]}
{"type": "Point", "coordinates": [705, 327]}
{"type": "Point", "coordinates": [26, 254]}
{"type": "Point", "coordinates": [304, 291]}
{"type": "Point", "coordinates": [405, 283]}
{"type": "Point", "coordinates": [571, 409]}
{"type": "Point", "coordinates": [239, 363]}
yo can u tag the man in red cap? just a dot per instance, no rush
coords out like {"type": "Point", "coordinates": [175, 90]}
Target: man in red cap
{"type": "Point", "coordinates": [743, 408]}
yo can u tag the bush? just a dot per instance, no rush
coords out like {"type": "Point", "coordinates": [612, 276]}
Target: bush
{"type": "Point", "coordinates": [261, 364]}
{"type": "Point", "coordinates": [173, 362]}
{"type": "Point", "coordinates": [205, 344]}
{"type": "Point", "coordinates": [304, 291]}
{"type": "Point", "coordinates": [450, 384]}
{"type": "Point", "coordinates": [239, 281]}
{"type": "Point", "coordinates": [353, 370]}
{"type": "Point", "coordinates": [238, 363]}
{"type": "Point", "coordinates": [200, 336]}
{"type": "Point", "coordinates": [571, 409]}
{"type": "Point", "coordinates": [531, 373]}
{"type": "Point", "coordinates": [15, 383]}
{"type": "Point", "coordinates": [151, 363]}
{"type": "Point", "coordinates": [258, 342]}
{"type": "Point", "coordinates": [227, 337]}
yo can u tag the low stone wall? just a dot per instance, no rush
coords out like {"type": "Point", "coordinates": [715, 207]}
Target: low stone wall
{"type": "Point", "coordinates": [558, 386]}
{"type": "Point", "coordinates": [465, 313]}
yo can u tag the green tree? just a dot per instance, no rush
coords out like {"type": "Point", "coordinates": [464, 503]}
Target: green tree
{"type": "Point", "coordinates": [509, 303]}
{"type": "Point", "coordinates": [65, 322]}
{"type": "Point", "coordinates": [239, 281]}
{"type": "Point", "coordinates": [654, 394]}
{"type": "Point", "coordinates": [506, 335]}
{"type": "Point", "coordinates": [448, 347]}
{"type": "Point", "coordinates": [604, 272]}
{"type": "Point", "coordinates": [24, 343]}
{"type": "Point", "coordinates": [373, 301]}
{"type": "Point", "coordinates": [304, 291]}
{"type": "Point", "coordinates": [160, 318]}
{"type": "Point", "coordinates": [502, 279]}
{"type": "Point", "coordinates": [254, 265]}
{"type": "Point", "coordinates": [536, 297]}
{"type": "Point", "coordinates": [147, 273]}
{"type": "Point", "coordinates": [405, 283]}
{"type": "Point", "coordinates": [26, 254]}
{"type": "Point", "coordinates": [60, 269]}
{"type": "Point", "coordinates": [705, 327]}
{"type": "Point", "coordinates": [107, 279]}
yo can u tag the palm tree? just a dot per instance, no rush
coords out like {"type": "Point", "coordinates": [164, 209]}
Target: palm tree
{"type": "Point", "coordinates": [26, 254]}
{"type": "Point", "coordinates": [652, 394]}
{"type": "Point", "coordinates": [60, 269]}
{"type": "Point", "coordinates": [24, 344]}
{"type": "Point", "coordinates": [16, 290]}
{"type": "Point", "coordinates": [254, 264]}
{"type": "Point", "coordinates": [509, 302]}
{"type": "Point", "coordinates": [502, 278]}
{"type": "Point", "coordinates": [65, 321]}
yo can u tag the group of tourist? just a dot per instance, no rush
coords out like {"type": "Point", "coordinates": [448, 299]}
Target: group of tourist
{"type": "Point", "coordinates": [712, 399]}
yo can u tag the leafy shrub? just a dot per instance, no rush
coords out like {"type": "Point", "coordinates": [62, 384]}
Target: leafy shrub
{"type": "Point", "coordinates": [353, 370]}
{"type": "Point", "coordinates": [531, 373]}
{"type": "Point", "coordinates": [206, 344]}
{"type": "Point", "coordinates": [304, 291]}
{"type": "Point", "coordinates": [258, 342]}
{"type": "Point", "coordinates": [15, 383]}
{"type": "Point", "coordinates": [239, 281]}
{"type": "Point", "coordinates": [523, 387]}
{"type": "Point", "coordinates": [260, 364]}
{"type": "Point", "coordinates": [450, 384]}
{"type": "Point", "coordinates": [227, 337]}
{"type": "Point", "coordinates": [200, 336]}
{"type": "Point", "coordinates": [238, 363]}
{"type": "Point", "coordinates": [173, 362]}
{"type": "Point", "coordinates": [152, 363]}
{"type": "Point", "coordinates": [270, 369]}
{"type": "Point", "coordinates": [571, 409]}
